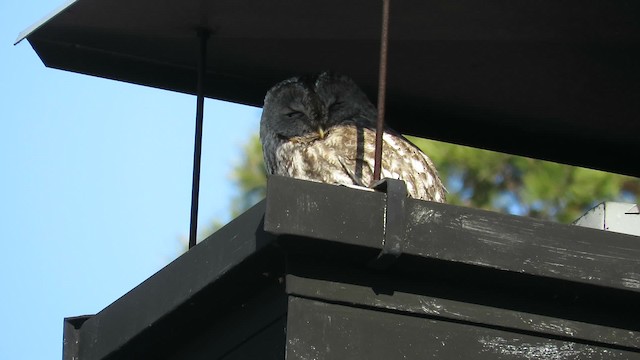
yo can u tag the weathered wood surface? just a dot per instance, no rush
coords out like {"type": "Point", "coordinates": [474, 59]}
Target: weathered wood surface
{"type": "Point", "coordinates": [321, 330]}
{"type": "Point", "coordinates": [523, 245]}
{"type": "Point", "coordinates": [469, 284]}
{"type": "Point", "coordinates": [452, 233]}
{"type": "Point", "coordinates": [464, 266]}
{"type": "Point", "coordinates": [334, 213]}
{"type": "Point", "coordinates": [424, 299]}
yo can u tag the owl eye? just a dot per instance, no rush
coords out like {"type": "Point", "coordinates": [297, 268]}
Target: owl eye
{"type": "Point", "coordinates": [293, 114]}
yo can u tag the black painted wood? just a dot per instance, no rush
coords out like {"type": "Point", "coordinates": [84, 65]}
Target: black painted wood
{"type": "Point", "coordinates": [524, 245]}
{"type": "Point", "coordinates": [334, 331]}
{"type": "Point", "coordinates": [489, 299]}
{"type": "Point", "coordinates": [252, 328]}
{"type": "Point", "coordinates": [470, 267]}
{"type": "Point", "coordinates": [292, 278]}
{"type": "Point", "coordinates": [71, 336]}
{"type": "Point", "coordinates": [559, 77]}
{"type": "Point", "coordinates": [333, 213]}
{"type": "Point", "coordinates": [459, 234]}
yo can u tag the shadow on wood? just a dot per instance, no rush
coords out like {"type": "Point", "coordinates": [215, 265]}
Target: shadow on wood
{"type": "Point", "coordinates": [292, 278]}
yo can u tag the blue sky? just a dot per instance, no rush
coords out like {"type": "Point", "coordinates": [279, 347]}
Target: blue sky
{"type": "Point", "coordinates": [95, 185]}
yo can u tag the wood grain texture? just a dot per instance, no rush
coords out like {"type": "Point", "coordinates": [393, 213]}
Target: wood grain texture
{"type": "Point", "coordinates": [524, 245]}
{"type": "Point", "coordinates": [423, 301]}
{"type": "Point", "coordinates": [333, 331]}
{"type": "Point", "coordinates": [458, 234]}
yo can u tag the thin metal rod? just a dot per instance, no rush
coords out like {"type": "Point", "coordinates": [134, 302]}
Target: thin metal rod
{"type": "Point", "coordinates": [382, 86]}
{"type": "Point", "coordinates": [203, 35]}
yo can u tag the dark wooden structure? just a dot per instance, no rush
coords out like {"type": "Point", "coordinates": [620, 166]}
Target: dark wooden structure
{"type": "Point", "coordinates": [315, 272]}
{"type": "Point", "coordinates": [559, 77]}
{"type": "Point", "coordinates": [325, 272]}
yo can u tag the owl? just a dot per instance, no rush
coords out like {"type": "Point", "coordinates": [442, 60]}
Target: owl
{"type": "Point", "coordinates": [322, 128]}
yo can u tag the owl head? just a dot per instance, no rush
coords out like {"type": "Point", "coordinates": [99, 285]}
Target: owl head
{"type": "Point", "coordinates": [308, 107]}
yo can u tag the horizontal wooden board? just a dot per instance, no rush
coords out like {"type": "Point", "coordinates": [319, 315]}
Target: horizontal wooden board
{"type": "Point", "coordinates": [458, 234]}
{"type": "Point", "coordinates": [331, 331]}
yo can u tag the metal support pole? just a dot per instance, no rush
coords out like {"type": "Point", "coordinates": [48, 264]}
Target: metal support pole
{"type": "Point", "coordinates": [203, 36]}
{"type": "Point", "coordinates": [382, 86]}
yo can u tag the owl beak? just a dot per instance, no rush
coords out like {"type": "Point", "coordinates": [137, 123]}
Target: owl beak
{"type": "Point", "coordinates": [321, 132]}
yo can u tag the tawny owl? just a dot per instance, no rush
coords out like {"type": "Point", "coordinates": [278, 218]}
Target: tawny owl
{"type": "Point", "coordinates": [322, 128]}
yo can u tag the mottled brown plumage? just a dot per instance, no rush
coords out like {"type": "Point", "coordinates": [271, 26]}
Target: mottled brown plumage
{"type": "Point", "coordinates": [322, 128]}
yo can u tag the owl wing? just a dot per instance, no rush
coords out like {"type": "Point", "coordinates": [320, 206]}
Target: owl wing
{"type": "Point", "coordinates": [401, 159]}
{"type": "Point", "coordinates": [348, 165]}
{"type": "Point", "coordinates": [346, 157]}
{"type": "Point", "coordinates": [346, 148]}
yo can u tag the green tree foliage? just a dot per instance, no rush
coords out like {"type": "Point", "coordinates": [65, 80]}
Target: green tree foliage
{"type": "Point", "coordinates": [483, 179]}
{"type": "Point", "coordinates": [249, 176]}
{"type": "Point", "coordinates": [250, 179]}
{"type": "Point", "coordinates": [524, 186]}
